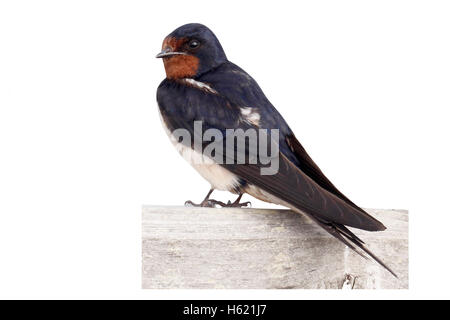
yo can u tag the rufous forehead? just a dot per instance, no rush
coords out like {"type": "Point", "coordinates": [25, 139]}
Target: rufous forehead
{"type": "Point", "coordinates": [173, 43]}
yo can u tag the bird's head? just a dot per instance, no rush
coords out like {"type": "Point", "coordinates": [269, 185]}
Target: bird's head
{"type": "Point", "coordinates": [191, 50]}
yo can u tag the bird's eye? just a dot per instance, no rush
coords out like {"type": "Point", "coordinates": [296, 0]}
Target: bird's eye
{"type": "Point", "coordinates": [193, 44]}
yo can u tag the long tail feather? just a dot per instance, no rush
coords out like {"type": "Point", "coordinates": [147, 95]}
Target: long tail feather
{"type": "Point", "coordinates": [347, 237]}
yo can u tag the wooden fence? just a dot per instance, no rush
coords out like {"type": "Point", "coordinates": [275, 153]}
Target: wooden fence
{"type": "Point", "coordinates": [260, 248]}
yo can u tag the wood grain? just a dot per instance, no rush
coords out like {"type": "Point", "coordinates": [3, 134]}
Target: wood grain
{"type": "Point", "coordinates": [261, 248]}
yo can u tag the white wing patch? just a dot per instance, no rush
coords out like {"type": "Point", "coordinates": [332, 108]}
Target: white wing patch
{"type": "Point", "coordinates": [199, 85]}
{"type": "Point", "coordinates": [250, 115]}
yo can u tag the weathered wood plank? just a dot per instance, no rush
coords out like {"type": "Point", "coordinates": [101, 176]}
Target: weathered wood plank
{"type": "Point", "coordinates": [261, 248]}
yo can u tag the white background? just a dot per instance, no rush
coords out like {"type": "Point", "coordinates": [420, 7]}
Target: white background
{"type": "Point", "coordinates": [364, 85]}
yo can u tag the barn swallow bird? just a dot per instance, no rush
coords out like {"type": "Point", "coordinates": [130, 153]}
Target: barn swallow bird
{"type": "Point", "coordinates": [204, 94]}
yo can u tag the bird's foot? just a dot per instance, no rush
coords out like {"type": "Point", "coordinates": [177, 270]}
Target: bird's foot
{"type": "Point", "coordinates": [246, 204]}
{"type": "Point", "coordinates": [236, 204]}
{"type": "Point", "coordinates": [204, 204]}
{"type": "Point", "coordinates": [211, 203]}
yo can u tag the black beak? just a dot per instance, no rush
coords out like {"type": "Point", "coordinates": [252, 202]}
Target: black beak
{"type": "Point", "coordinates": [167, 53]}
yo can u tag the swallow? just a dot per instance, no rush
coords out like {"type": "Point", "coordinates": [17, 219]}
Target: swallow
{"type": "Point", "coordinates": [202, 85]}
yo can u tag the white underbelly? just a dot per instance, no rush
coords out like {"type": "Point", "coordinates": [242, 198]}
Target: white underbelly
{"type": "Point", "coordinates": [216, 175]}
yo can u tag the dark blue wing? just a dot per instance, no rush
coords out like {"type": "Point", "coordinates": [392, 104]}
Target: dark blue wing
{"type": "Point", "coordinates": [242, 90]}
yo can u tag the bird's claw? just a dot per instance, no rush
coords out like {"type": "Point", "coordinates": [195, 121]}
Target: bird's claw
{"type": "Point", "coordinates": [247, 204]}
{"type": "Point", "coordinates": [203, 204]}
{"type": "Point", "coordinates": [230, 204]}
{"type": "Point", "coordinates": [210, 203]}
